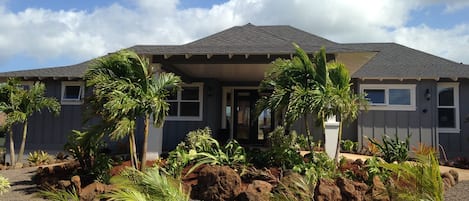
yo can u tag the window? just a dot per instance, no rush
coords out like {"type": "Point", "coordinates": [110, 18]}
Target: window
{"type": "Point", "coordinates": [186, 104]}
{"type": "Point", "coordinates": [390, 96]}
{"type": "Point", "coordinates": [26, 85]}
{"type": "Point", "coordinates": [72, 93]}
{"type": "Point", "coordinates": [448, 110]}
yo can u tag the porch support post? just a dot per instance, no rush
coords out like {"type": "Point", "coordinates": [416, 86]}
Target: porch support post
{"type": "Point", "coordinates": [331, 136]}
{"type": "Point", "coordinates": [155, 135]}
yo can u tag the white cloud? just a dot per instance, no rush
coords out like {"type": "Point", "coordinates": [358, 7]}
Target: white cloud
{"type": "Point", "coordinates": [79, 35]}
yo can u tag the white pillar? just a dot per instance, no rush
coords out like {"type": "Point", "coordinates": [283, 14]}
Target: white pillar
{"type": "Point", "coordinates": [332, 133]}
{"type": "Point", "coordinates": [155, 142]}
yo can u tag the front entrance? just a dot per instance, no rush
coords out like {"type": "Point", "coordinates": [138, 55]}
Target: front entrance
{"type": "Point", "coordinates": [247, 128]}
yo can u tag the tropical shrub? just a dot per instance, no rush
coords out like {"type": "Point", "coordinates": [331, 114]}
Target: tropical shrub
{"type": "Point", "coordinates": [86, 147]}
{"type": "Point", "coordinates": [283, 151]}
{"type": "Point", "coordinates": [393, 149]}
{"type": "Point", "coordinates": [39, 158]}
{"type": "Point", "coordinates": [200, 148]}
{"type": "Point", "coordinates": [375, 168]}
{"type": "Point", "coordinates": [151, 184]}
{"type": "Point", "coordinates": [349, 145]}
{"type": "Point", "coordinates": [419, 180]}
{"type": "Point", "coordinates": [4, 185]}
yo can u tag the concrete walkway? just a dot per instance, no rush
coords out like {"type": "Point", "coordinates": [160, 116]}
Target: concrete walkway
{"type": "Point", "coordinates": [22, 188]}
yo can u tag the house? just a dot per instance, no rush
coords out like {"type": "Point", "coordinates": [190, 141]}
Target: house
{"type": "Point", "coordinates": [412, 93]}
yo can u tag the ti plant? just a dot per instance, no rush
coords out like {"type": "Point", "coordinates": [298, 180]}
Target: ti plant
{"type": "Point", "coordinates": [393, 149]}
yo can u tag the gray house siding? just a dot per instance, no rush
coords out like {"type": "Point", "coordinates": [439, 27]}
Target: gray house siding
{"type": "Point", "coordinates": [420, 124]}
{"type": "Point", "coordinates": [175, 131]}
{"type": "Point", "coordinates": [49, 132]}
{"type": "Point", "coordinates": [455, 144]}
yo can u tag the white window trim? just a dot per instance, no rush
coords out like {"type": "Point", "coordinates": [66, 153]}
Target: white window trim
{"type": "Point", "coordinates": [455, 86]}
{"type": "Point", "coordinates": [386, 105]}
{"type": "Point", "coordinates": [201, 102]}
{"type": "Point", "coordinates": [79, 101]}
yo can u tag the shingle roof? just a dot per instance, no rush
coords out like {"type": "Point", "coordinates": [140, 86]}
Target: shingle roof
{"type": "Point", "coordinates": [72, 71]}
{"type": "Point", "coordinates": [397, 61]}
{"type": "Point", "coordinates": [391, 61]}
{"type": "Point", "coordinates": [247, 39]}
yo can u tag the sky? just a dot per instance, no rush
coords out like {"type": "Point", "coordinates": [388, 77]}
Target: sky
{"type": "Point", "coordinates": [47, 33]}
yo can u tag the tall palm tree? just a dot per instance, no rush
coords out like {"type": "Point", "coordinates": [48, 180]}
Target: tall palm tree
{"type": "Point", "coordinates": [19, 104]}
{"type": "Point", "coordinates": [292, 83]}
{"type": "Point", "coordinates": [34, 100]}
{"type": "Point", "coordinates": [343, 102]}
{"type": "Point", "coordinates": [125, 89]}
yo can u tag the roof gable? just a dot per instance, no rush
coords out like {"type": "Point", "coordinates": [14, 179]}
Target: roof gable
{"type": "Point", "coordinates": [260, 36]}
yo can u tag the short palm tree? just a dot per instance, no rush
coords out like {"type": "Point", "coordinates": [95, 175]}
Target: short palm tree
{"type": "Point", "coordinates": [19, 104]}
{"type": "Point", "coordinates": [125, 89]}
{"type": "Point", "coordinates": [304, 86]}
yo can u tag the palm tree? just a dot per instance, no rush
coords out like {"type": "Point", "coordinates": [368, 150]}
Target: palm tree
{"type": "Point", "coordinates": [34, 100]}
{"type": "Point", "coordinates": [292, 84]}
{"type": "Point", "coordinates": [300, 87]}
{"type": "Point", "coordinates": [19, 104]}
{"type": "Point", "coordinates": [341, 99]}
{"type": "Point", "coordinates": [125, 89]}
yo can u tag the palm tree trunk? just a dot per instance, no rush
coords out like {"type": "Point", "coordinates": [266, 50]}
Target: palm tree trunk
{"type": "Point", "coordinates": [337, 151]}
{"type": "Point", "coordinates": [12, 148]}
{"type": "Point", "coordinates": [23, 141]}
{"type": "Point", "coordinates": [134, 149]}
{"type": "Point", "coordinates": [145, 142]}
{"type": "Point", "coordinates": [308, 132]}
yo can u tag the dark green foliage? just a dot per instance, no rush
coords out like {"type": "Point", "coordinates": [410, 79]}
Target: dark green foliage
{"type": "Point", "coordinates": [283, 151]}
{"type": "Point", "coordinates": [200, 148]}
{"type": "Point", "coordinates": [375, 169]}
{"type": "Point", "coordinates": [86, 147]}
{"type": "Point", "coordinates": [393, 149]}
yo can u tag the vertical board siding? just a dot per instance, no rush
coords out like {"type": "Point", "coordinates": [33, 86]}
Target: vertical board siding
{"type": "Point", "coordinates": [47, 131]}
{"type": "Point", "coordinates": [419, 125]}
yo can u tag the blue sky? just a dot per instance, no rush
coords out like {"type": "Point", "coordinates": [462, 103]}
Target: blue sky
{"type": "Point", "coordinates": [45, 33]}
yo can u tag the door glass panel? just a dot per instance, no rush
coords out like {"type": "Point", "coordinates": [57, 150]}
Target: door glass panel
{"type": "Point", "coordinates": [446, 96]}
{"type": "Point", "coordinates": [264, 122]}
{"type": "Point", "coordinates": [446, 118]}
{"type": "Point", "coordinates": [243, 119]}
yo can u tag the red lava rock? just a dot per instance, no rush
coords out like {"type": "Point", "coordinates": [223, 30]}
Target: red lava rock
{"type": "Point", "coordinates": [90, 192]}
{"type": "Point", "coordinates": [257, 191]}
{"type": "Point", "coordinates": [351, 190]}
{"type": "Point", "coordinates": [327, 190]}
{"type": "Point", "coordinates": [217, 183]}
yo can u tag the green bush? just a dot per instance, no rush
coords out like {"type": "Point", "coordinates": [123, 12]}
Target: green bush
{"type": "Point", "coordinates": [4, 185]}
{"type": "Point", "coordinates": [39, 158]}
{"type": "Point", "coordinates": [149, 185]}
{"type": "Point", "coordinates": [419, 180]}
{"type": "Point", "coordinates": [349, 145]}
{"type": "Point", "coordinates": [86, 147]}
{"type": "Point", "coordinates": [200, 148]}
{"type": "Point", "coordinates": [393, 149]}
{"type": "Point", "coordinates": [283, 151]}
